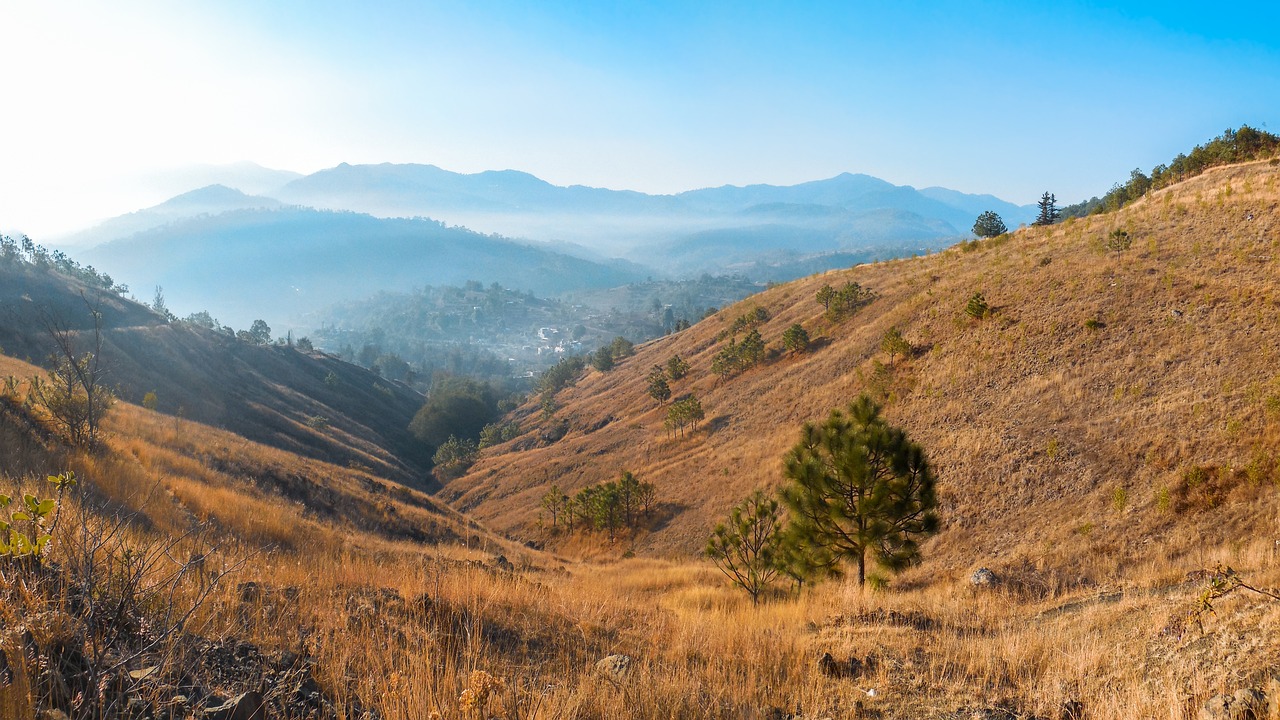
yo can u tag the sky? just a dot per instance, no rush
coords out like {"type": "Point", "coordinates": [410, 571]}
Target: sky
{"type": "Point", "coordinates": [101, 102]}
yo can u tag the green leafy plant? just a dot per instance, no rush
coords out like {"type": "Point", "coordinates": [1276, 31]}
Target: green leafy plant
{"type": "Point", "coordinates": [27, 532]}
{"type": "Point", "coordinates": [1119, 499]}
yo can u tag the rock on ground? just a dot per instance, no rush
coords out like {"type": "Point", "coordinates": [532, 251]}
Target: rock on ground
{"type": "Point", "coordinates": [614, 667]}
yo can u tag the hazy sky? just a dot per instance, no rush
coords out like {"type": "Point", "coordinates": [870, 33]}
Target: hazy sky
{"type": "Point", "coordinates": [1008, 98]}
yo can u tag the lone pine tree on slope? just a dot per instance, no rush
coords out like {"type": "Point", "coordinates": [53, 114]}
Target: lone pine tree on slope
{"type": "Point", "coordinates": [860, 489]}
{"type": "Point", "coordinates": [989, 225]}
{"type": "Point", "coordinates": [1049, 212]}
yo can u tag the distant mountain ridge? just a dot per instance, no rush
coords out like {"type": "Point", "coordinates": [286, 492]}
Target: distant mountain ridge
{"type": "Point", "coordinates": [391, 189]}
{"type": "Point", "coordinates": [350, 230]}
{"type": "Point", "coordinates": [281, 264]}
{"type": "Point", "coordinates": [847, 214]}
{"type": "Point", "coordinates": [209, 200]}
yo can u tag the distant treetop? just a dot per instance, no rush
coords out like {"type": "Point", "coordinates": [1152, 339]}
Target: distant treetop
{"type": "Point", "coordinates": [1049, 212]}
{"type": "Point", "coordinates": [989, 225]}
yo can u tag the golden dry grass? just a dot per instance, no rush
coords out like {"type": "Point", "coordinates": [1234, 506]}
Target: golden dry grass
{"type": "Point", "coordinates": [1033, 420]}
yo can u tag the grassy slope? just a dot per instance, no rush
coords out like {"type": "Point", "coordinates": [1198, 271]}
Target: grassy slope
{"type": "Point", "coordinates": [1049, 438]}
{"type": "Point", "coordinates": [1086, 614]}
{"type": "Point", "coordinates": [267, 394]}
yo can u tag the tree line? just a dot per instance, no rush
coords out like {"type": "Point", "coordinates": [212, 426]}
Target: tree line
{"type": "Point", "coordinates": [608, 507]}
{"type": "Point", "coordinates": [23, 250]}
{"type": "Point", "coordinates": [1232, 146]}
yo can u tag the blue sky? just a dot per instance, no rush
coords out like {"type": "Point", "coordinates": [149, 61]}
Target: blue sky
{"type": "Point", "coordinates": [1007, 98]}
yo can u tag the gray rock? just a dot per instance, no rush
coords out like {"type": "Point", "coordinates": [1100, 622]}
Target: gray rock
{"type": "Point", "coordinates": [614, 667]}
{"type": "Point", "coordinates": [983, 577]}
{"type": "Point", "coordinates": [1245, 704]}
{"type": "Point", "coordinates": [249, 706]}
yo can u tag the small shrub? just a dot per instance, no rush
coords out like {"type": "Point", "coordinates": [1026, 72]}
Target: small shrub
{"type": "Point", "coordinates": [27, 532]}
{"type": "Point", "coordinates": [893, 343]}
{"type": "Point", "coordinates": [677, 367]}
{"type": "Point", "coordinates": [1273, 404]}
{"type": "Point", "coordinates": [453, 458]}
{"type": "Point", "coordinates": [977, 307]}
{"type": "Point", "coordinates": [497, 433]}
{"type": "Point", "coordinates": [1118, 241]}
{"type": "Point", "coordinates": [1119, 499]}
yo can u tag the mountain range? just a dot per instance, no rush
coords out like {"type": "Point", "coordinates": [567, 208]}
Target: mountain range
{"type": "Point", "coordinates": [282, 263]}
{"type": "Point", "coordinates": [352, 229]}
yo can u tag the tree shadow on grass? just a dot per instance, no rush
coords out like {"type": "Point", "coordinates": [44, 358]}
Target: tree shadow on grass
{"type": "Point", "coordinates": [716, 424]}
{"type": "Point", "coordinates": [662, 515]}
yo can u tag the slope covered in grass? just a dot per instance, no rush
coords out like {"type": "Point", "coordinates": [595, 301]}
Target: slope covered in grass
{"type": "Point", "coordinates": [1122, 401]}
{"type": "Point", "coordinates": [308, 403]}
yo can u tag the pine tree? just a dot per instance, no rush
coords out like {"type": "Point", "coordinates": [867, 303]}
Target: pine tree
{"type": "Point", "coordinates": [989, 225]}
{"type": "Point", "coordinates": [1049, 212]}
{"type": "Point", "coordinates": [826, 294]}
{"type": "Point", "coordinates": [894, 344]}
{"type": "Point", "coordinates": [859, 489]}
{"type": "Point", "coordinates": [677, 367]}
{"type": "Point", "coordinates": [977, 307]}
{"type": "Point", "coordinates": [795, 339]}
{"type": "Point", "coordinates": [659, 389]}
{"type": "Point", "coordinates": [746, 547]}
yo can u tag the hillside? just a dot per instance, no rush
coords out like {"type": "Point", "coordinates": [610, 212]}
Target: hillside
{"type": "Point", "coordinates": [279, 396]}
{"type": "Point", "coordinates": [1121, 402]}
{"type": "Point", "coordinates": [198, 573]}
{"type": "Point", "coordinates": [281, 265]}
